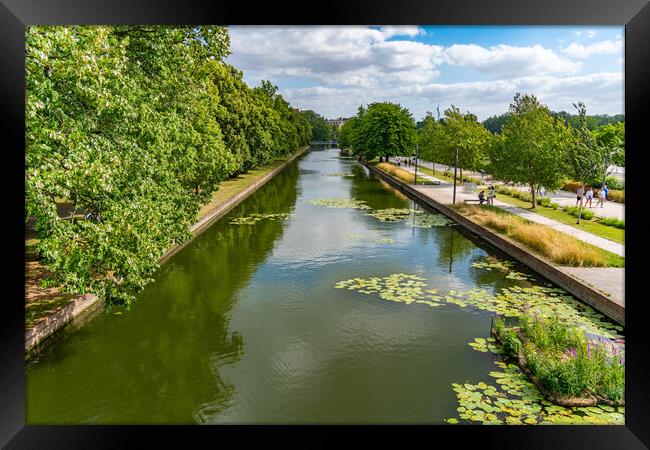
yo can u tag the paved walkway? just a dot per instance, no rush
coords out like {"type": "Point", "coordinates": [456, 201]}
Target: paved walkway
{"type": "Point", "coordinates": [610, 281]}
{"type": "Point", "coordinates": [610, 209]}
{"type": "Point", "coordinates": [444, 194]}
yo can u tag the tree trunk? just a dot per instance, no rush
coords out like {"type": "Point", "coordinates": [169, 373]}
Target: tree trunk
{"type": "Point", "coordinates": [580, 206]}
{"type": "Point", "coordinates": [380, 158]}
{"type": "Point", "coordinates": [433, 167]}
{"type": "Point", "coordinates": [387, 159]}
{"type": "Point", "coordinates": [532, 195]}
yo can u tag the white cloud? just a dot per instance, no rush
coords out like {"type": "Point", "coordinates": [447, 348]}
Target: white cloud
{"type": "Point", "coordinates": [580, 51]}
{"type": "Point", "coordinates": [348, 55]}
{"type": "Point", "coordinates": [341, 67]}
{"type": "Point", "coordinates": [602, 93]}
{"type": "Point", "coordinates": [506, 60]}
{"type": "Point", "coordinates": [591, 34]}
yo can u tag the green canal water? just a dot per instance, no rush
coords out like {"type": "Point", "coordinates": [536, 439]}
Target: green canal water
{"type": "Point", "coordinates": [247, 325]}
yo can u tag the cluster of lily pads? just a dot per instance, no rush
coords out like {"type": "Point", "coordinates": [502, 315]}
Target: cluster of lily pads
{"type": "Point", "coordinates": [513, 301]}
{"type": "Point", "coordinates": [340, 203]}
{"type": "Point", "coordinates": [513, 400]}
{"type": "Point", "coordinates": [432, 220]}
{"type": "Point", "coordinates": [393, 214]}
{"type": "Point", "coordinates": [484, 344]}
{"type": "Point", "coordinates": [376, 240]}
{"type": "Point", "coordinates": [340, 174]}
{"type": "Point", "coordinates": [398, 287]}
{"type": "Point", "coordinates": [252, 219]}
{"type": "Point", "coordinates": [420, 219]}
{"type": "Point", "coordinates": [490, 262]}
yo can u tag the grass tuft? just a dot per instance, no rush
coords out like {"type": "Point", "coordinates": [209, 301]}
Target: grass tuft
{"type": "Point", "coordinates": [560, 248]}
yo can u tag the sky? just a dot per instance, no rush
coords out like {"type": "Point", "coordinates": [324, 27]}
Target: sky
{"type": "Point", "coordinates": [335, 69]}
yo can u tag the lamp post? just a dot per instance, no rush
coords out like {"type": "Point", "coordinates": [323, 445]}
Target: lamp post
{"type": "Point", "coordinates": [455, 167]}
{"type": "Point", "coordinates": [417, 152]}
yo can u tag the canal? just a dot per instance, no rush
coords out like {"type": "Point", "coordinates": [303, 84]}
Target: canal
{"type": "Point", "coordinates": [290, 310]}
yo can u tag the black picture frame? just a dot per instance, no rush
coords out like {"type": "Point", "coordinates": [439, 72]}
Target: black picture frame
{"type": "Point", "coordinates": [633, 14]}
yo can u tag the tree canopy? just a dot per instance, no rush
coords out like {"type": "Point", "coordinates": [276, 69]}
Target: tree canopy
{"type": "Point", "coordinates": [134, 127]}
{"type": "Point", "coordinates": [440, 139]}
{"type": "Point", "coordinates": [382, 130]}
{"type": "Point", "coordinates": [531, 148]}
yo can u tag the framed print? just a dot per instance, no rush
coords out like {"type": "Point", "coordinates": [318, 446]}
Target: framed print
{"type": "Point", "coordinates": [359, 214]}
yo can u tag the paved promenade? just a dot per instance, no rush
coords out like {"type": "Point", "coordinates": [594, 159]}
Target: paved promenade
{"type": "Point", "coordinates": [610, 209]}
{"type": "Point", "coordinates": [444, 194]}
{"type": "Point", "coordinates": [610, 281]}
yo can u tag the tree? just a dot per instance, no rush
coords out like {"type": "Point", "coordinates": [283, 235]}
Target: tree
{"type": "Point", "coordinates": [461, 132]}
{"type": "Point", "coordinates": [585, 157]}
{"type": "Point", "coordinates": [321, 129]}
{"type": "Point", "coordinates": [346, 134]}
{"type": "Point", "coordinates": [134, 127]}
{"type": "Point", "coordinates": [384, 130]}
{"type": "Point", "coordinates": [611, 140]}
{"type": "Point", "coordinates": [531, 148]}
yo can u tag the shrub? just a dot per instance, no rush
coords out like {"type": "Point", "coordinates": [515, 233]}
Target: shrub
{"type": "Point", "coordinates": [543, 201]}
{"type": "Point", "coordinates": [555, 205]}
{"type": "Point", "coordinates": [573, 210]}
{"type": "Point", "coordinates": [566, 362]}
{"type": "Point", "coordinates": [525, 196]}
{"type": "Point", "coordinates": [616, 196]}
{"type": "Point", "coordinates": [611, 182]}
{"type": "Point", "coordinates": [613, 222]}
{"type": "Point", "coordinates": [571, 186]}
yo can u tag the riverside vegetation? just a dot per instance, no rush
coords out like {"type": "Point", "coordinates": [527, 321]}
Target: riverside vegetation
{"type": "Point", "coordinates": [131, 129]}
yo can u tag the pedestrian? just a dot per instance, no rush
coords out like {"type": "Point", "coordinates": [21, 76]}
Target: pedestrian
{"type": "Point", "coordinates": [601, 198]}
{"type": "Point", "coordinates": [606, 192]}
{"type": "Point", "coordinates": [397, 162]}
{"type": "Point", "coordinates": [579, 192]}
{"type": "Point", "coordinates": [589, 195]}
{"type": "Point", "coordinates": [491, 195]}
{"type": "Point", "coordinates": [481, 197]}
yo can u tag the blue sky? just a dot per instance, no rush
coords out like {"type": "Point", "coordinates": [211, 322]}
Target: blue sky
{"type": "Point", "coordinates": [334, 69]}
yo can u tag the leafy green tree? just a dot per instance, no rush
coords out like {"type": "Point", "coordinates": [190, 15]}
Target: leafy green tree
{"type": "Point", "coordinates": [585, 157]}
{"type": "Point", "coordinates": [346, 134]}
{"type": "Point", "coordinates": [531, 148]}
{"type": "Point", "coordinates": [321, 129]}
{"type": "Point", "coordinates": [611, 140]}
{"type": "Point", "coordinates": [133, 128]}
{"type": "Point", "coordinates": [384, 130]}
{"type": "Point", "coordinates": [458, 131]}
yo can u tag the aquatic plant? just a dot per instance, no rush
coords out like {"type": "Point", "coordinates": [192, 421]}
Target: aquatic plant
{"type": "Point", "coordinates": [393, 214]}
{"type": "Point", "coordinates": [513, 400]}
{"type": "Point", "coordinates": [421, 219]}
{"type": "Point", "coordinates": [340, 203]}
{"type": "Point", "coordinates": [252, 219]}
{"type": "Point", "coordinates": [513, 301]}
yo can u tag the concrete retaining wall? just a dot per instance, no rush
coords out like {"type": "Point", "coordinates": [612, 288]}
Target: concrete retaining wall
{"type": "Point", "coordinates": [538, 264]}
{"type": "Point", "coordinates": [58, 320]}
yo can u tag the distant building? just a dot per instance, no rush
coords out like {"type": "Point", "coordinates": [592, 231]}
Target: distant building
{"type": "Point", "coordinates": [338, 122]}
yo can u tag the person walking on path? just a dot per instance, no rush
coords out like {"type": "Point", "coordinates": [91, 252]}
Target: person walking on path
{"type": "Point", "coordinates": [606, 192]}
{"type": "Point", "coordinates": [601, 198]}
{"type": "Point", "coordinates": [589, 196]}
{"type": "Point", "coordinates": [579, 192]}
{"type": "Point", "coordinates": [491, 195]}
